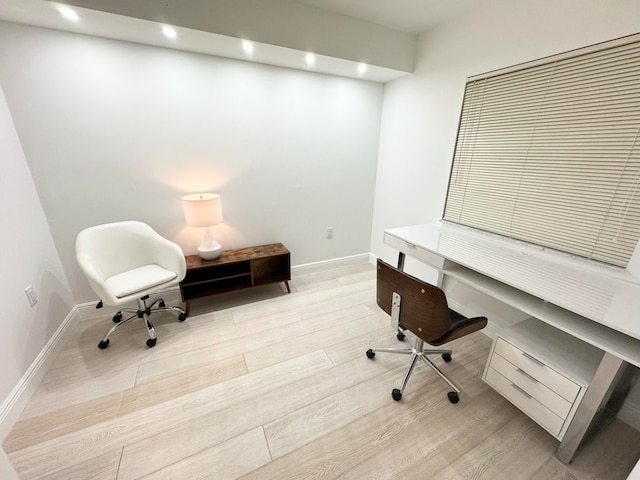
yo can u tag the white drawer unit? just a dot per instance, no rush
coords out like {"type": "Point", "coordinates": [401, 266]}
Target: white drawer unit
{"type": "Point", "coordinates": [542, 371]}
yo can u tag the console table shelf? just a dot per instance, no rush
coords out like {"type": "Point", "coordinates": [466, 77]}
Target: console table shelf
{"type": "Point", "coordinates": [235, 269]}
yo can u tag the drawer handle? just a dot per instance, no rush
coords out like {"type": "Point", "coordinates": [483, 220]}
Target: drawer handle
{"type": "Point", "coordinates": [534, 360]}
{"type": "Point", "coordinates": [521, 390]}
{"type": "Point", "coordinates": [525, 374]}
{"type": "Point", "coordinates": [412, 245]}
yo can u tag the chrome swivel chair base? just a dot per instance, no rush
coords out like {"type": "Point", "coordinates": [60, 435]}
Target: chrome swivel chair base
{"type": "Point", "coordinates": [418, 351]}
{"type": "Point", "coordinates": [143, 312]}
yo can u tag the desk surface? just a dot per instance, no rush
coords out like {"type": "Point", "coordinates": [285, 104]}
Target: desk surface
{"type": "Point", "coordinates": [604, 294]}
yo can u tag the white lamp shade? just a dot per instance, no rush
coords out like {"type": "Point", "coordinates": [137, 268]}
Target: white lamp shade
{"type": "Point", "coordinates": [202, 209]}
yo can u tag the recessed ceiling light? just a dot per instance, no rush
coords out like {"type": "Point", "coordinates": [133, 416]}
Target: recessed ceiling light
{"type": "Point", "coordinates": [169, 32]}
{"type": "Point", "coordinates": [247, 46]}
{"type": "Point", "coordinates": [362, 68]}
{"type": "Point", "coordinates": [310, 59]}
{"type": "Point", "coordinates": [67, 13]}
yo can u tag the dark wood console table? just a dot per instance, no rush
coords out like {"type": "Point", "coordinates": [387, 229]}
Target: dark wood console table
{"type": "Point", "coordinates": [235, 269]}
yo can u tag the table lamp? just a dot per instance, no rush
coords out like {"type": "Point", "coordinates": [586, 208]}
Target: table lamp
{"type": "Point", "coordinates": [204, 210]}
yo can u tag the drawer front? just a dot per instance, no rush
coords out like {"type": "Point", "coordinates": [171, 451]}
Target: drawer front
{"type": "Point", "coordinates": [532, 386]}
{"type": "Point", "coordinates": [412, 250]}
{"type": "Point", "coordinates": [529, 405]}
{"type": "Point", "coordinates": [538, 370]}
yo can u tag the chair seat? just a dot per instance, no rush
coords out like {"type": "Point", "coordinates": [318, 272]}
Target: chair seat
{"type": "Point", "coordinates": [138, 279]}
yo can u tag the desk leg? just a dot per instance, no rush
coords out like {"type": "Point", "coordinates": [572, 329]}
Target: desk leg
{"type": "Point", "coordinates": [603, 399]}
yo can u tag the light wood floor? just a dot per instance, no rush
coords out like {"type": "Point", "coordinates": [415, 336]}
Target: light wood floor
{"type": "Point", "coordinates": [262, 384]}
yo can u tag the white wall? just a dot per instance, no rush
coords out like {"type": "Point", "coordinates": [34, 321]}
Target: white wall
{"type": "Point", "coordinates": [28, 257]}
{"type": "Point", "coordinates": [115, 131]}
{"type": "Point", "coordinates": [421, 112]}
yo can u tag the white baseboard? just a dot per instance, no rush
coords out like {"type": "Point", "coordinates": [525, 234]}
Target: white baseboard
{"type": "Point", "coordinates": [13, 405]}
{"type": "Point", "coordinates": [334, 263]}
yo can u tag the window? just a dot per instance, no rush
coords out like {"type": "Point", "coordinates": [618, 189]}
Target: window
{"type": "Point", "coordinates": [549, 152]}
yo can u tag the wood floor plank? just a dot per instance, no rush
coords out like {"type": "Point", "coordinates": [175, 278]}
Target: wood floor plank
{"type": "Point", "coordinates": [70, 419]}
{"type": "Point", "coordinates": [83, 361]}
{"type": "Point", "coordinates": [66, 449]}
{"type": "Point", "coordinates": [300, 427]}
{"type": "Point", "coordinates": [226, 461]}
{"type": "Point", "coordinates": [230, 420]}
{"type": "Point", "coordinates": [52, 397]}
{"type": "Point", "coordinates": [350, 324]}
{"type": "Point", "coordinates": [498, 455]}
{"type": "Point", "coordinates": [553, 469]}
{"type": "Point", "coordinates": [318, 300]}
{"type": "Point", "coordinates": [103, 467]}
{"type": "Point", "coordinates": [395, 425]}
{"type": "Point", "coordinates": [434, 441]}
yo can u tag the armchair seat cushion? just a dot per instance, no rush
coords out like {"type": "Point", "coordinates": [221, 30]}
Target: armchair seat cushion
{"type": "Point", "coordinates": [138, 279]}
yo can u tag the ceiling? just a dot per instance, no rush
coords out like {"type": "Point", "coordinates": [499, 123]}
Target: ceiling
{"type": "Point", "coordinates": [410, 16]}
{"type": "Point", "coordinates": [381, 21]}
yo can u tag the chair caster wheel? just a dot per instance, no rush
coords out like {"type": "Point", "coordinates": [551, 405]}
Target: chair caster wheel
{"type": "Point", "coordinates": [446, 357]}
{"type": "Point", "coordinates": [400, 336]}
{"type": "Point", "coordinates": [103, 344]}
{"type": "Point", "coordinates": [161, 303]}
{"type": "Point", "coordinates": [182, 317]}
{"type": "Point", "coordinates": [151, 342]}
{"type": "Point", "coordinates": [371, 353]}
{"type": "Point", "coordinates": [117, 317]}
{"type": "Point", "coordinates": [396, 394]}
{"type": "Point", "coordinates": [453, 397]}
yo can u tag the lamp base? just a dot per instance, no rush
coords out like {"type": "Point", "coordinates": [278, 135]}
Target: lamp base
{"type": "Point", "coordinates": [209, 249]}
{"type": "Point", "coordinates": [210, 253]}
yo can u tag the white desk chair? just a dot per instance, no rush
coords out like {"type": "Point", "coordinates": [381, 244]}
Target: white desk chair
{"type": "Point", "coordinates": [128, 261]}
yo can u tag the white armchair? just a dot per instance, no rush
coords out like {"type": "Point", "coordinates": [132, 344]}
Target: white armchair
{"type": "Point", "coordinates": [128, 261]}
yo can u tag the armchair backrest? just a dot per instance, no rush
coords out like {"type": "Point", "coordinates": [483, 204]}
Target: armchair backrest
{"type": "Point", "coordinates": [116, 247]}
{"type": "Point", "coordinates": [423, 309]}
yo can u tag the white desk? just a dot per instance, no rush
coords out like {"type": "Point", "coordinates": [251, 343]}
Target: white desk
{"type": "Point", "coordinates": [595, 303]}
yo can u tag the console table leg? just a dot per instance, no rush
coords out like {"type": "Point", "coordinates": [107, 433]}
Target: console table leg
{"type": "Point", "coordinates": [187, 307]}
{"type": "Point", "coordinates": [286, 284]}
{"type": "Point", "coordinates": [602, 400]}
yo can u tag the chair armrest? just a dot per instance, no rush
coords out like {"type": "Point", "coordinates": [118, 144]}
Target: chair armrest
{"type": "Point", "coordinates": [170, 256]}
{"type": "Point", "coordinates": [96, 279]}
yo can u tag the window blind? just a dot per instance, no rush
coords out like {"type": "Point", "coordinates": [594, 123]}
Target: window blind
{"type": "Point", "coordinates": [550, 153]}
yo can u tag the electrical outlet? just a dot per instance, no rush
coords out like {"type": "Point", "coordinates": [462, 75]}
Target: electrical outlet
{"type": "Point", "coordinates": [31, 295]}
{"type": "Point", "coordinates": [329, 233]}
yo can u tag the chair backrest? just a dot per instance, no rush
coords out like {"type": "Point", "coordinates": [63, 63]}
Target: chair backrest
{"type": "Point", "coordinates": [117, 247]}
{"type": "Point", "coordinates": [423, 309]}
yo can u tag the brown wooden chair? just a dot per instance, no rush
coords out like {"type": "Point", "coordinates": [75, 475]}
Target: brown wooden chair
{"type": "Point", "coordinates": [422, 309]}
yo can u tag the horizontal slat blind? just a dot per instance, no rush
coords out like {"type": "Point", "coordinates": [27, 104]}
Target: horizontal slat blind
{"type": "Point", "coordinates": [550, 154]}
